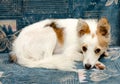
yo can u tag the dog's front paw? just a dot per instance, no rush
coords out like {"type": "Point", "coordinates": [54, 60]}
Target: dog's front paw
{"type": "Point", "coordinates": [100, 66]}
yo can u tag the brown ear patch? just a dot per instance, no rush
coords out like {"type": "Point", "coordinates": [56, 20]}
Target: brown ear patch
{"type": "Point", "coordinates": [103, 41]}
{"type": "Point", "coordinates": [58, 31]}
{"type": "Point", "coordinates": [83, 29]}
{"type": "Point", "coordinates": [103, 32]}
{"type": "Point", "coordinates": [103, 27]}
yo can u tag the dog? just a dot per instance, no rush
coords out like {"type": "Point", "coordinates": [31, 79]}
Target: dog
{"type": "Point", "coordinates": [59, 43]}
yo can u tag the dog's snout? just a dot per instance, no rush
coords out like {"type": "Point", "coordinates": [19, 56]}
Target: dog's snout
{"type": "Point", "coordinates": [87, 66]}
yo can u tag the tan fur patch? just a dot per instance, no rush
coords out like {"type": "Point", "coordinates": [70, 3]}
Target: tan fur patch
{"type": "Point", "coordinates": [12, 58]}
{"type": "Point", "coordinates": [103, 42]}
{"type": "Point", "coordinates": [103, 27]}
{"type": "Point", "coordinates": [103, 32]}
{"type": "Point", "coordinates": [99, 66]}
{"type": "Point", "coordinates": [84, 29]}
{"type": "Point", "coordinates": [58, 31]}
{"type": "Point", "coordinates": [93, 35]}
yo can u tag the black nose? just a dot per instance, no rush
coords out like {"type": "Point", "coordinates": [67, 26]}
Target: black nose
{"type": "Point", "coordinates": [87, 66]}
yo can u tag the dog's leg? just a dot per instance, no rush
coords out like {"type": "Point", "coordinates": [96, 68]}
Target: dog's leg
{"type": "Point", "coordinates": [75, 56]}
{"type": "Point", "coordinates": [99, 65]}
{"type": "Point", "coordinates": [48, 52]}
{"type": "Point", "coordinates": [78, 57]}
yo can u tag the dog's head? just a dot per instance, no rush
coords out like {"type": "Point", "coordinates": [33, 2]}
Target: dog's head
{"type": "Point", "coordinates": [94, 40]}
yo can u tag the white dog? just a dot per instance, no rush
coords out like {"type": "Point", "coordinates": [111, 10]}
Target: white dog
{"type": "Point", "coordinates": [58, 43]}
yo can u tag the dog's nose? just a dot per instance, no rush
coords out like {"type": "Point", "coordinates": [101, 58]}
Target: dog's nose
{"type": "Point", "coordinates": [87, 66]}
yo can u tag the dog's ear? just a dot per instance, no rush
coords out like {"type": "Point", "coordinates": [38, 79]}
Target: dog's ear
{"type": "Point", "coordinates": [82, 28]}
{"type": "Point", "coordinates": [103, 27]}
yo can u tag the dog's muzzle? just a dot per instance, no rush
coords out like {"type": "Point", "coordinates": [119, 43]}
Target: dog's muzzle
{"type": "Point", "coordinates": [88, 66]}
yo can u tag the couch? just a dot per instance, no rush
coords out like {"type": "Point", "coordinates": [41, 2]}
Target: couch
{"type": "Point", "coordinates": [16, 14]}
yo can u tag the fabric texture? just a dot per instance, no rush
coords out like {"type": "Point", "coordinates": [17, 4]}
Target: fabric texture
{"type": "Point", "coordinates": [11, 73]}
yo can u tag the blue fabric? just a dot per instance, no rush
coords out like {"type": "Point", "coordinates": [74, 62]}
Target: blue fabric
{"type": "Point", "coordinates": [111, 75]}
{"type": "Point", "coordinates": [16, 74]}
{"type": "Point", "coordinates": [26, 12]}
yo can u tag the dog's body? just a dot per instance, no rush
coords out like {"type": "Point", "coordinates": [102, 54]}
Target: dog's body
{"type": "Point", "coordinates": [58, 43]}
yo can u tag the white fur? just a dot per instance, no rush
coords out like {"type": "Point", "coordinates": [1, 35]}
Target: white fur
{"type": "Point", "coordinates": [92, 42]}
{"type": "Point", "coordinates": [92, 23]}
{"type": "Point", "coordinates": [37, 45]}
{"type": "Point", "coordinates": [90, 57]}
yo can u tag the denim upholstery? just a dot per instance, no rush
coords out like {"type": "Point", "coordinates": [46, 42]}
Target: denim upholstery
{"type": "Point", "coordinates": [16, 74]}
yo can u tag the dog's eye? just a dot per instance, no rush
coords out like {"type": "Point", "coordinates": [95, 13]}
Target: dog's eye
{"type": "Point", "coordinates": [97, 50]}
{"type": "Point", "coordinates": [84, 48]}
